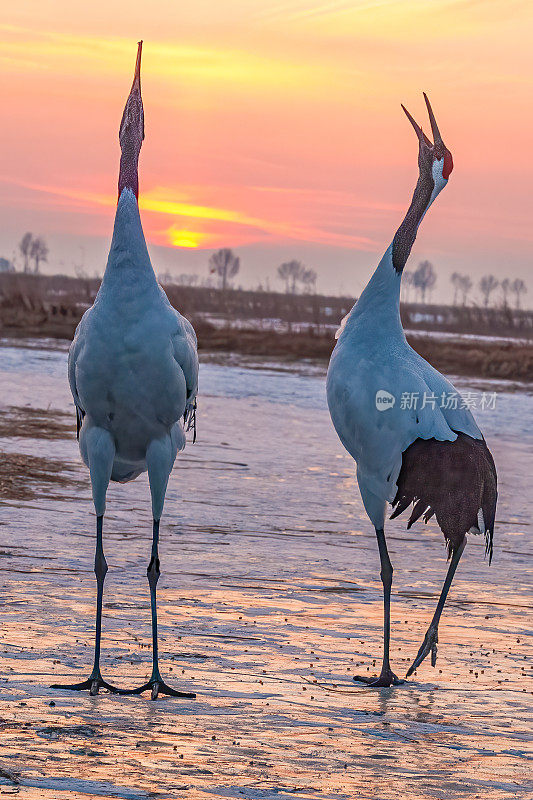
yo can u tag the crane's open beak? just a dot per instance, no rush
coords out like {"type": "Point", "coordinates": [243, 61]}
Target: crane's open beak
{"type": "Point", "coordinates": [438, 148]}
{"type": "Point", "coordinates": [131, 131]}
{"type": "Point", "coordinates": [418, 130]}
{"type": "Point", "coordinates": [437, 138]}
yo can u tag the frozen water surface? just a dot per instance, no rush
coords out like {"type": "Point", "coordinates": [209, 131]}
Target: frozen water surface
{"type": "Point", "coordinates": [270, 601]}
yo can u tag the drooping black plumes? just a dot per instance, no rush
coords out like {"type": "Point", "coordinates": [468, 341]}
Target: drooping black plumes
{"type": "Point", "coordinates": [453, 481]}
{"type": "Point", "coordinates": [189, 418]}
{"type": "Point", "coordinates": [80, 413]}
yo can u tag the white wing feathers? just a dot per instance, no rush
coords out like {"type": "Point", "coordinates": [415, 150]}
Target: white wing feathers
{"type": "Point", "coordinates": [376, 438]}
{"type": "Point", "coordinates": [184, 347]}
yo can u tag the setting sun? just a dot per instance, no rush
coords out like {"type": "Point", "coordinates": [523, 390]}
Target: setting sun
{"type": "Point", "coordinates": [272, 128]}
{"type": "Point", "coordinates": [182, 238]}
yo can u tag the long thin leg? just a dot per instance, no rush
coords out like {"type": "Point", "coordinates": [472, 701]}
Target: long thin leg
{"type": "Point", "coordinates": [432, 634]}
{"type": "Point", "coordinates": [387, 676]}
{"type": "Point", "coordinates": [156, 683]}
{"type": "Point", "coordinates": [153, 573]}
{"type": "Point", "coordinates": [95, 680]}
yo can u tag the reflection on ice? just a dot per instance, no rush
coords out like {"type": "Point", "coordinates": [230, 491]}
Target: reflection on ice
{"type": "Point", "coordinates": [270, 602]}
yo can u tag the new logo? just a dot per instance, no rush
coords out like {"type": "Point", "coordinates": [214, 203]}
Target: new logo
{"type": "Point", "coordinates": [384, 400]}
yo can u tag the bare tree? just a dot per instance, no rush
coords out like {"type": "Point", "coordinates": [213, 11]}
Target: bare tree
{"type": "Point", "coordinates": [518, 287]}
{"type": "Point", "coordinates": [25, 245]}
{"type": "Point", "coordinates": [466, 286]}
{"type": "Point", "coordinates": [291, 272]}
{"type": "Point", "coordinates": [505, 286]}
{"type": "Point", "coordinates": [284, 273]}
{"type": "Point", "coordinates": [487, 285]}
{"type": "Point", "coordinates": [39, 252]}
{"type": "Point", "coordinates": [407, 283]}
{"type": "Point", "coordinates": [456, 283]}
{"type": "Point", "coordinates": [225, 264]}
{"type": "Point", "coordinates": [424, 278]}
{"type": "Point", "coordinates": [308, 278]}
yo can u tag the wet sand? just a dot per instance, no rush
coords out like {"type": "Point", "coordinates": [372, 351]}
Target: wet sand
{"type": "Point", "coordinates": [270, 602]}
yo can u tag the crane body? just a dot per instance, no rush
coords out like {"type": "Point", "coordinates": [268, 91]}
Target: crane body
{"type": "Point", "coordinates": [373, 355]}
{"type": "Point", "coordinates": [133, 374]}
{"type": "Point", "coordinates": [132, 365]}
{"type": "Point", "coordinates": [429, 453]}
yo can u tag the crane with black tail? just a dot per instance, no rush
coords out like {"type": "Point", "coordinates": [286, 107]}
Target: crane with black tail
{"type": "Point", "coordinates": [429, 453]}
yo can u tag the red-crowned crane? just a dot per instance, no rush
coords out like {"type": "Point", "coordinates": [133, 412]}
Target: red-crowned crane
{"type": "Point", "coordinates": [401, 420]}
{"type": "Point", "coordinates": [133, 373]}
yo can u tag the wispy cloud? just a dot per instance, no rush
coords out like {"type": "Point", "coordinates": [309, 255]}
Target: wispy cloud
{"type": "Point", "coordinates": [159, 201]}
{"type": "Point", "coordinates": [272, 123]}
{"type": "Point", "coordinates": [27, 50]}
{"type": "Point", "coordinates": [299, 10]}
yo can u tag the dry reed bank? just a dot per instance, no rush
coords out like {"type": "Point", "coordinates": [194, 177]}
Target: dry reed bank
{"type": "Point", "coordinates": [285, 326]}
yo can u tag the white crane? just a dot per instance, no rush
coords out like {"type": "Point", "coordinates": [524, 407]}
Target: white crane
{"type": "Point", "coordinates": [133, 373]}
{"type": "Point", "coordinates": [401, 420]}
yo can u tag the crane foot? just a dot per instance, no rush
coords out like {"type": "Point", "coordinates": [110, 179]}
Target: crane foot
{"type": "Point", "coordinates": [387, 678]}
{"type": "Point", "coordinates": [14, 777]}
{"type": "Point", "coordinates": [158, 686]}
{"type": "Point", "coordinates": [429, 645]}
{"type": "Point", "coordinates": [93, 684]}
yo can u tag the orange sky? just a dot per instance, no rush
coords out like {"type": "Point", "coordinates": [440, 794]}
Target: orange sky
{"type": "Point", "coordinates": [274, 128]}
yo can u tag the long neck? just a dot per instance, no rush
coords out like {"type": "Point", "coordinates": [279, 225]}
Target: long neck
{"type": "Point", "coordinates": [128, 263]}
{"type": "Point", "coordinates": [405, 236]}
{"type": "Point", "coordinates": [129, 270]}
{"type": "Point", "coordinates": [131, 135]}
{"type": "Point", "coordinates": [379, 302]}
{"type": "Point", "coordinates": [128, 177]}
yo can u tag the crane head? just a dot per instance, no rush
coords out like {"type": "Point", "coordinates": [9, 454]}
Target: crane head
{"type": "Point", "coordinates": [433, 157]}
{"type": "Point", "coordinates": [131, 132]}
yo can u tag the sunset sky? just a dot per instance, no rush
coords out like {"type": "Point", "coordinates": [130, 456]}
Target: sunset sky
{"type": "Point", "coordinates": [274, 128]}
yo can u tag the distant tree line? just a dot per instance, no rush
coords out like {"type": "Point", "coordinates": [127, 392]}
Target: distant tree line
{"type": "Point", "coordinates": [417, 285]}
{"type": "Point", "coordinates": [224, 265]}
{"type": "Point", "coordinates": [423, 280]}
{"type": "Point", "coordinates": [488, 284]}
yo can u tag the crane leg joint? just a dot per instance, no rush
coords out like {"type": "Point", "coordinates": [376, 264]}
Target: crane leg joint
{"type": "Point", "coordinates": [100, 565]}
{"type": "Point", "coordinates": [153, 572]}
{"type": "Point", "coordinates": [386, 573]}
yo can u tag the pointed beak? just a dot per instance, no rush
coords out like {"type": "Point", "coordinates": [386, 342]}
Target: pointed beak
{"type": "Point", "coordinates": [418, 130]}
{"type": "Point", "coordinates": [433, 122]}
{"type": "Point", "coordinates": [438, 148]}
{"type": "Point", "coordinates": [131, 133]}
{"type": "Point", "coordinates": [132, 124]}
{"type": "Point", "coordinates": [137, 73]}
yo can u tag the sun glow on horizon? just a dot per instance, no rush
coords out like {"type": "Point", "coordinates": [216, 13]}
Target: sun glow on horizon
{"type": "Point", "coordinates": [178, 237]}
{"type": "Point", "coordinates": [271, 126]}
